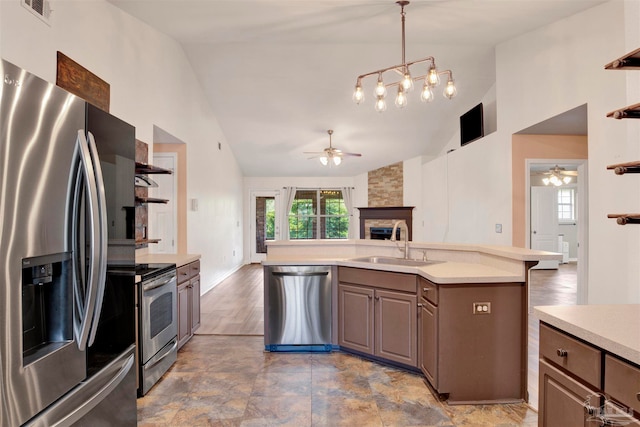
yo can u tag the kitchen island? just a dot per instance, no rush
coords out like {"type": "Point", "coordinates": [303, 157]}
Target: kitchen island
{"type": "Point", "coordinates": [461, 319]}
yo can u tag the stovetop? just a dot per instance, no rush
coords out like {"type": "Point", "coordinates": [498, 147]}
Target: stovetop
{"type": "Point", "coordinates": [148, 271]}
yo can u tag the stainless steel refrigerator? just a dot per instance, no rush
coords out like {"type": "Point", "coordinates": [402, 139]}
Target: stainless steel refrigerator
{"type": "Point", "coordinates": [67, 255]}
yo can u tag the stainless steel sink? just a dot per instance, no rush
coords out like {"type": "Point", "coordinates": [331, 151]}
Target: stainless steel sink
{"type": "Point", "coordinates": [395, 261]}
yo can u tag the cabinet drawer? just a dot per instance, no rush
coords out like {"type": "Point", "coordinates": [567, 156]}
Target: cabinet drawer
{"type": "Point", "coordinates": [380, 279]}
{"type": "Point", "coordinates": [428, 290]}
{"type": "Point", "coordinates": [194, 269]}
{"type": "Point", "coordinates": [184, 273]}
{"type": "Point", "coordinates": [622, 382]}
{"type": "Point", "coordinates": [582, 360]}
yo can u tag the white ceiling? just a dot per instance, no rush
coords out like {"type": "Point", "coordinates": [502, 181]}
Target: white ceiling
{"type": "Point", "coordinates": [280, 73]}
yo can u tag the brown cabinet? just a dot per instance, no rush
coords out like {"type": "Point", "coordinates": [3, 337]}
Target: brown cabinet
{"type": "Point", "coordinates": [428, 341]}
{"type": "Point", "coordinates": [188, 301]}
{"type": "Point", "coordinates": [581, 384]}
{"type": "Point", "coordinates": [377, 314]}
{"type": "Point", "coordinates": [562, 398]}
{"type": "Point", "coordinates": [472, 341]}
{"type": "Point", "coordinates": [428, 330]}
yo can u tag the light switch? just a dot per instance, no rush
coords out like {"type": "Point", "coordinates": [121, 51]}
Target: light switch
{"type": "Point", "coordinates": [498, 228]}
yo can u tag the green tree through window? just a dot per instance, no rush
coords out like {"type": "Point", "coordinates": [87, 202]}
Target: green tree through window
{"type": "Point", "coordinates": [318, 214]}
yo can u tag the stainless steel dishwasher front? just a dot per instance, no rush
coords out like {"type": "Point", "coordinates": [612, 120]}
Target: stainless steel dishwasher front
{"type": "Point", "coordinates": [298, 308]}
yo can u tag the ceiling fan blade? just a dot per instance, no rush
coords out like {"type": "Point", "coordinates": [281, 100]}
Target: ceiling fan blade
{"type": "Point", "coordinates": [351, 154]}
{"type": "Point", "coordinates": [569, 173]}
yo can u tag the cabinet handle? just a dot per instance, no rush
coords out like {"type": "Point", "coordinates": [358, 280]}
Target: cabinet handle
{"type": "Point", "coordinates": [425, 289]}
{"type": "Point", "coordinates": [369, 296]}
{"type": "Point", "coordinates": [420, 304]}
{"type": "Point", "coordinates": [377, 298]}
{"type": "Point", "coordinates": [638, 396]}
{"type": "Point", "coordinates": [590, 410]}
{"type": "Point", "coordinates": [562, 352]}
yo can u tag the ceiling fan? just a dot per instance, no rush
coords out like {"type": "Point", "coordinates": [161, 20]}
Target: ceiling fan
{"type": "Point", "coordinates": [557, 176]}
{"type": "Point", "coordinates": [330, 155]}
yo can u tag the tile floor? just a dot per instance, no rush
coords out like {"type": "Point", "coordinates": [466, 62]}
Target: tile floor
{"type": "Point", "coordinates": [230, 381]}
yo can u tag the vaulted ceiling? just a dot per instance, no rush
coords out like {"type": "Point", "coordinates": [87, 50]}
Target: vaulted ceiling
{"type": "Point", "coordinates": [279, 73]}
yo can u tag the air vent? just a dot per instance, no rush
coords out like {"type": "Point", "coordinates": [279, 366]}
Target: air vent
{"type": "Point", "coordinates": [40, 8]}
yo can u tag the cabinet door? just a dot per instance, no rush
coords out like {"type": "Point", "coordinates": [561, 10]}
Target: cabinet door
{"type": "Point", "coordinates": [428, 341]}
{"type": "Point", "coordinates": [561, 399]}
{"type": "Point", "coordinates": [195, 303]}
{"type": "Point", "coordinates": [184, 324]}
{"type": "Point", "coordinates": [355, 318]}
{"type": "Point", "coordinates": [396, 326]}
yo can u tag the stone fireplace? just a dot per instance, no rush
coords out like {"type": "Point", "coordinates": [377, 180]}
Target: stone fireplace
{"type": "Point", "coordinates": [384, 217]}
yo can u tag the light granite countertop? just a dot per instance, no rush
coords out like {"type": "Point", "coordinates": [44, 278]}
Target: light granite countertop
{"type": "Point", "coordinates": [445, 272]}
{"type": "Point", "coordinates": [178, 259]}
{"type": "Point", "coordinates": [614, 328]}
{"type": "Point", "coordinates": [459, 263]}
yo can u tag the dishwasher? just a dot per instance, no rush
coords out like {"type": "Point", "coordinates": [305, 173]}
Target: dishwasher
{"type": "Point", "coordinates": [298, 308]}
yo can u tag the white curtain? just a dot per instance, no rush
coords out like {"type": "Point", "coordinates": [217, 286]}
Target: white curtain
{"type": "Point", "coordinates": [348, 203]}
{"type": "Point", "coordinates": [289, 197]}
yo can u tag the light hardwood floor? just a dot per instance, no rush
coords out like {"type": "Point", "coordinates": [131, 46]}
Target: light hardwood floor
{"type": "Point", "coordinates": [236, 307]}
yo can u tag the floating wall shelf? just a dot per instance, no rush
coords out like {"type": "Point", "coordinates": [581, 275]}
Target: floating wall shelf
{"type": "Point", "coordinates": [630, 61]}
{"type": "Point", "coordinates": [630, 112]}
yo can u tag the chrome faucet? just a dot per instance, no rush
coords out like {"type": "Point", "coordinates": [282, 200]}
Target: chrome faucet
{"type": "Point", "coordinates": [401, 223]}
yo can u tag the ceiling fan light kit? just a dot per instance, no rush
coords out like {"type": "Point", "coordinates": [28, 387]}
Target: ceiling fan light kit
{"type": "Point", "coordinates": [405, 83]}
{"type": "Point", "coordinates": [331, 156]}
{"type": "Point", "coordinates": [558, 176]}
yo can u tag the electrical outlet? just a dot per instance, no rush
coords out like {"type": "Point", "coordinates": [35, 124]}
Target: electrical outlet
{"type": "Point", "coordinates": [481, 307]}
{"type": "Point", "coordinates": [498, 228]}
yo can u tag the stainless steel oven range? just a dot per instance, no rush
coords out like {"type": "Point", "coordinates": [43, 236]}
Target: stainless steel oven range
{"type": "Point", "coordinates": [157, 323]}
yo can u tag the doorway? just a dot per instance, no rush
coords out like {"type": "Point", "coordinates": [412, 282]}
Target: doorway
{"type": "Point", "coordinates": [264, 222]}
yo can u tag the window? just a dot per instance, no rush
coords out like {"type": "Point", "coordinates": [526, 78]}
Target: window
{"type": "Point", "coordinates": [318, 214]}
{"type": "Point", "coordinates": [566, 204]}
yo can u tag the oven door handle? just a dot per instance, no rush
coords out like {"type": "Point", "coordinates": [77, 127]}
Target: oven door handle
{"type": "Point", "coordinates": [159, 358]}
{"type": "Point", "coordinates": [154, 284]}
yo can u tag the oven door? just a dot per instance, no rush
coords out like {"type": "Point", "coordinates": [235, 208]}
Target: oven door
{"type": "Point", "coordinates": [158, 316]}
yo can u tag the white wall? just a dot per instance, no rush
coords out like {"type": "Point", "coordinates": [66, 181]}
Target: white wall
{"type": "Point", "coordinates": [539, 75]}
{"type": "Point", "coordinates": [151, 84]}
{"type": "Point", "coordinates": [467, 192]}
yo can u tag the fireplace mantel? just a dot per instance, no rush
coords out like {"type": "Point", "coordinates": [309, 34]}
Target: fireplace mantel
{"type": "Point", "coordinates": [387, 212]}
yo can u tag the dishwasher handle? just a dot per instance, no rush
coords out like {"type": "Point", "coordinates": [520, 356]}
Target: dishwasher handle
{"type": "Point", "coordinates": [300, 273]}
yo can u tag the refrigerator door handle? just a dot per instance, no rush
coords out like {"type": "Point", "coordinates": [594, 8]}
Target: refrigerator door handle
{"type": "Point", "coordinates": [102, 232]}
{"type": "Point", "coordinates": [85, 299]}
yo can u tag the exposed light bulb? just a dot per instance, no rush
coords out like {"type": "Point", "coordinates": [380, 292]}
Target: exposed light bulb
{"type": "Point", "coordinates": [566, 179]}
{"type": "Point", "coordinates": [401, 98]}
{"type": "Point", "coordinates": [380, 89]}
{"type": "Point", "coordinates": [358, 94]}
{"type": "Point", "coordinates": [407, 82]}
{"type": "Point", "coordinates": [337, 160]}
{"type": "Point", "coordinates": [555, 181]}
{"type": "Point", "coordinates": [427, 93]}
{"type": "Point", "coordinates": [450, 90]}
{"type": "Point", "coordinates": [324, 160]}
{"type": "Point", "coordinates": [433, 77]}
{"type": "Point", "coordinates": [381, 105]}
{"type": "Point", "coordinates": [546, 181]}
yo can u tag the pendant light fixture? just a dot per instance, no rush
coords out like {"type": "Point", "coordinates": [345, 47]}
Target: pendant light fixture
{"type": "Point", "coordinates": [431, 78]}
